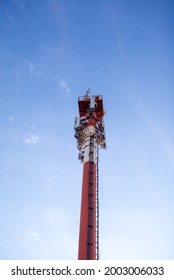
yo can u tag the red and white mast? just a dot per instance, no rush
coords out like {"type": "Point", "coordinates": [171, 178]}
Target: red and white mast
{"type": "Point", "coordinates": [90, 133]}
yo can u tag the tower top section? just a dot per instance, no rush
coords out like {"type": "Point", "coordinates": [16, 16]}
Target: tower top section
{"type": "Point", "coordinates": [91, 103]}
{"type": "Point", "coordinates": [90, 120]}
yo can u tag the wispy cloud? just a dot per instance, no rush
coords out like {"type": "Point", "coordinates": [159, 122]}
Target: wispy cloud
{"type": "Point", "coordinates": [115, 27]}
{"type": "Point", "coordinates": [31, 140]}
{"type": "Point", "coordinates": [32, 69]}
{"type": "Point", "coordinates": [33, 234]}
{"type": "Point", "coordinates": [9, 13]}
{"type": "Point", "coordinates": [163, 137]}
{"type": "Point", "coordinates": [19, 2]}
{"type": "Point", "coordinates": [9, 18]}
{"type": "Point", "coordinates": [25, 68]}
{"type": "Point", "coordinates": [32, 127]}
{"type": "Point", "coordinates": [165, 140]}
{"type": "Point", "coordinates": [11, 119]}
{"type": "Point", "coordinates": [64, 85]}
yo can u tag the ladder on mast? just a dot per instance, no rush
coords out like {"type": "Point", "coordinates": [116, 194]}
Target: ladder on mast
{"type": "Point", "coordinates": [97, 204]}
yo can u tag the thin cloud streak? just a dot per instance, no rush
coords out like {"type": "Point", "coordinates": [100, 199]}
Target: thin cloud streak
{"type": "Point", "coordinates": [33, 234]}
{"type": "Point", "coordinates": [64, 85]}
{"type": "Point", "coordinates": [164, 139]}
{"type": "Point", "coordinates": [31, 140]}
{"type": "Point", "coordinates": [19, 3]}
{"type": "Point", "coordinates": [11, 119]}
{"type": "Point", "coordinates": [32, 69]}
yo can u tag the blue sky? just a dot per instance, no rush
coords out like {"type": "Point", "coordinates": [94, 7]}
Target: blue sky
{"type": "Point", "coordinates": [51, 52]}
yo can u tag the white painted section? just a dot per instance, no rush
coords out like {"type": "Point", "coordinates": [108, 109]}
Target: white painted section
{"type": "Point", "coordinates": [90, 130]}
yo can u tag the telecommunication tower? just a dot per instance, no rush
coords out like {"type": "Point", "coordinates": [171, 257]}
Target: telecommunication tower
{"type": "Point", "coordinates": [90, 135]}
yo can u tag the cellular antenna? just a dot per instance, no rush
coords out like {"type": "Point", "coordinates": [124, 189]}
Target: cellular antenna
{"type": "Point", "coordinates": [90, 135]}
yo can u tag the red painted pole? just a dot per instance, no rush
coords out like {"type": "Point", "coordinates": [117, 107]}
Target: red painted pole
{"type": "Point", "coordinates": [87, 234]}
{"type": "Point", "coordinates": [89, 132]}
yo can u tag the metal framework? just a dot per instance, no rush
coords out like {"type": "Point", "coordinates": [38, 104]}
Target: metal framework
{"type": "Point", "coordinates": [90, 135]}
